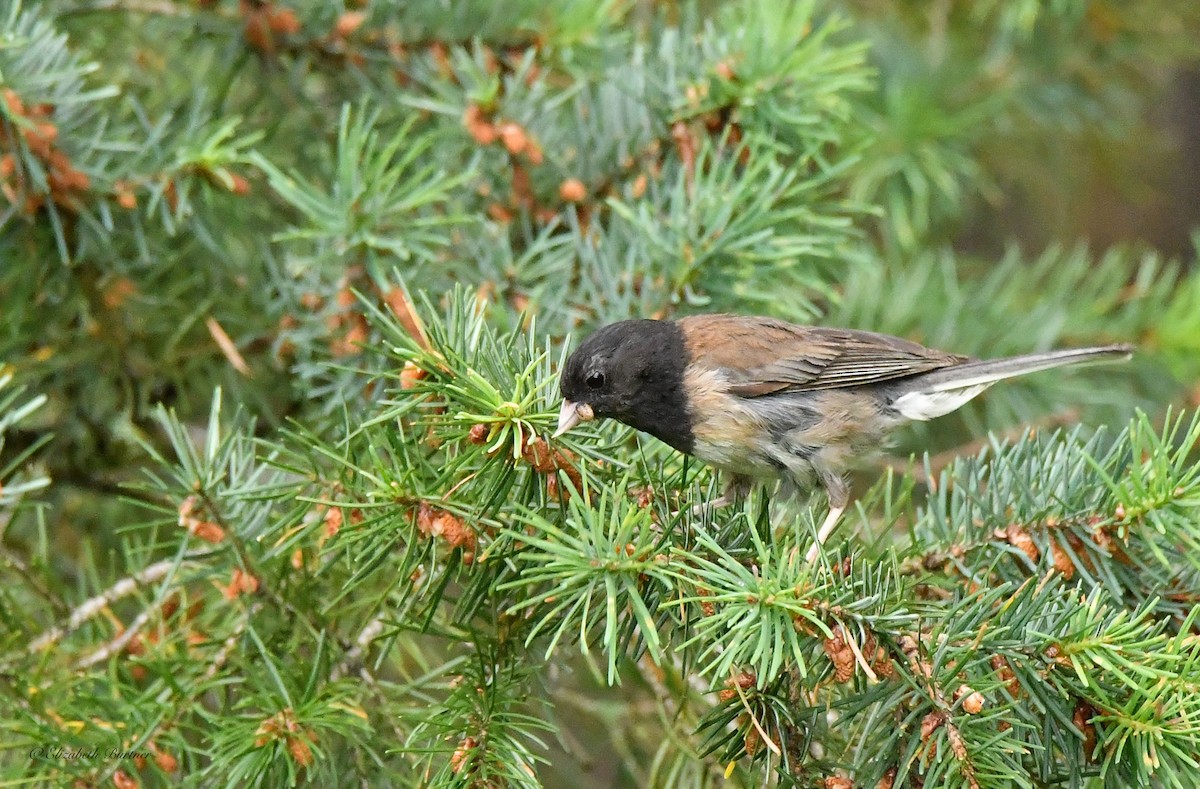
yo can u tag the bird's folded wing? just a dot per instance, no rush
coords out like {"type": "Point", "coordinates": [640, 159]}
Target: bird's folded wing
{"type": "Point", "coordinates": [761, 356]}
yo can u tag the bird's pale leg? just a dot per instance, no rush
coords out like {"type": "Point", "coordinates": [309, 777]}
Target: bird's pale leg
{"type": "Point", "coordinates": [839, 497]}
{"type": "Point", "coordinates": [835, 513]}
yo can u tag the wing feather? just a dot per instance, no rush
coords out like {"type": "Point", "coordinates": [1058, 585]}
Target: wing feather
{"type": "Point", "coordinates": [762, 356]}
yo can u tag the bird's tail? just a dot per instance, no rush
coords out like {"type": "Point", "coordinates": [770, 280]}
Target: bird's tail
{"type": "Point", "coordinates": [942, 391]}
{"type": "Point", "coordinates": [989, 372]}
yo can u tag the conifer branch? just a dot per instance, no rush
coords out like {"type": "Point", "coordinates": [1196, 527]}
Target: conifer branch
{"type": "Point", "coordinates": [93, 606]}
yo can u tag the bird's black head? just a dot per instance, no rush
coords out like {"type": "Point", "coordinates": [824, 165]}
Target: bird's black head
{"type": "Point", "coordinates": [630, 371]}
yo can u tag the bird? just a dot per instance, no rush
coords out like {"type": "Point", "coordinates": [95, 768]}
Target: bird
{"type": "Point", "coordinates": [762, 399]}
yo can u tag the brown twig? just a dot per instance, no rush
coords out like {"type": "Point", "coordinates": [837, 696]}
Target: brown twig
{"type": "Point", "coordinates": [89, 608]}
{"type": "Point", "coordinates": [942, 716]}
{"type": "Point", "coordinates": [218, 661]}
{"type": "Point", "coordinates": [115, 645]}
{"type": "Point", "coordinates": [157, 7]}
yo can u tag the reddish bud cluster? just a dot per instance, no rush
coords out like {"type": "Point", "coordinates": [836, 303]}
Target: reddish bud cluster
{"type": "Point", "coordinates": [643, 495]}
{"type": "Point", "coordinates": [931, 723]}
{"type": "Point", "coordinates": [139, 643]}
{"type": "Point", "coordinates": [462, 753]}
{"type": "Point", "coordinates": [283, 726]}
{"type": "Point", "coordinates": [402, 307]}
{"type": "Point", "coordinates": [972, 700]}
{"type": "Point", "coordinates": [686, 145]}
{"type": "Point", "coordinates": [639, 186]}
{"type": "Point", "coordinates": [478, 126]}
{"type": "Point", "coordinates": [224, 178]}
{"type": "Point", "coordinates": [912, 652]}
{"type": "Point", "coordinates": [435, 522]}
{"type": "Point", "coordinates": [165, 761]}
{"type": "Point", "coordinates": [267, 25]}
{"type": "Point", "coordinates": [840, 654]}
{"type": "Point", "coordinates": [545, 460]}
{"type": "Point", "coordinates": [881, 661]}
{"type": "Point", "coordinates": [411, 375]}
{"type": "Point", "coordinates": [537, 453]}
{"type": "Point", "coordinates": [40, 137]}
{"type": "Point", "coordinates": [197, 526]}
{"type": "Point", "coordinates": [572, 190]}
{"type": "Point", "coordinates": [744, 681]}
{"type": "Point", "coordinates": [524, 152]}
{"type": "Point", "coordinates": [240, 583]}
{"type": "Point", "coordinates": [1062, 560]}
{"type": "Point", "coordinates": [333, 523]}
{"type": "Point", "coordinates": [350, 322]}
{"type": "Point", "coordinates": [512, 135]}
{"type": "Point", "coordinates": [348, 23]}
{"type": "Point", "coordinates": [117, 292]}
{"type": "Point", "coordinates": [124, 195]}
{"type": "Point", "coordinates": [1018, 536]}
{"type": "Point", "coordinates": [1082, 718]}
{"type": "Point", "coordinates": [441, 58]}
{"type": "Point", "coordinates": [1103, 538]}
{"type": "Point", "coordinates": [1005, 674]}
{"type": "Point", "coordinates": [753, 740]}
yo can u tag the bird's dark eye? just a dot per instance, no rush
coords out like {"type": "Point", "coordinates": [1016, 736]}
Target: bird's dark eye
{"type": "Point", "coordinates": [594, 380]}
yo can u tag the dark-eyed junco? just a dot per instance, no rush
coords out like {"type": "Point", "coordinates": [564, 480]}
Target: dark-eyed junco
{"type": "Point", "coordinates": [761, 399]}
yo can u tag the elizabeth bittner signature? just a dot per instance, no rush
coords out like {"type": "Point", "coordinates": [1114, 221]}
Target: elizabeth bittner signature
{"type": "Point", "coordinates": [89, 754]}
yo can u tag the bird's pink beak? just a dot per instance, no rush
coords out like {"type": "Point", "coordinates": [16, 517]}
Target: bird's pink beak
{"type": "Point", "coordinates": [572, 414]}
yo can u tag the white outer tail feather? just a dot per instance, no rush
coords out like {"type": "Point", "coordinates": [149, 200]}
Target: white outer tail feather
{"type": "Point", "coordinates": [938, 393]}
{"type": "Point", "coordinates": [923, 406]}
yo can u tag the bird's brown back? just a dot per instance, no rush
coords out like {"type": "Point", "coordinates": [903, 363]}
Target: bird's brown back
{"type": "Point", "coordinates": [762, 356]}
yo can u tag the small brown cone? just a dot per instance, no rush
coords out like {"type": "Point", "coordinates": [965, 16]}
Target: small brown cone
{"type": "Point", "coordinates": [572, 190]}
